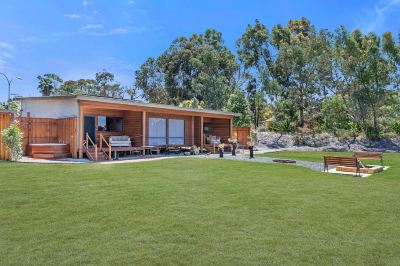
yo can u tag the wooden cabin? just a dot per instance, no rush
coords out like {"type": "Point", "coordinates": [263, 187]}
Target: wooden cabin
{"type": "Point", "coordinates": [74, 120]}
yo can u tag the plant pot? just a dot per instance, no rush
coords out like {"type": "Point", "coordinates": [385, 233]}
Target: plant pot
{"type": "Point", "coordinates": [251, 148]}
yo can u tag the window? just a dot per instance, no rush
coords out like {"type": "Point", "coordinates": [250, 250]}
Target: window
{"type": "Point", "coordinates": [105, 123]}
{"type": "Point", "coordinates": [176, 132]}
{"type": "Point", "coordinates": [157, 131]}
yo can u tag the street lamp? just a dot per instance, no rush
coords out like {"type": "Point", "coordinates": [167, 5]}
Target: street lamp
{"type": "Point", "coordinates": [9, 84]}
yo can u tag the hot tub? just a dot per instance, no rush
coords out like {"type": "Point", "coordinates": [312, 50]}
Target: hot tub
{"type": "Point", "coordinates": [49, 150]}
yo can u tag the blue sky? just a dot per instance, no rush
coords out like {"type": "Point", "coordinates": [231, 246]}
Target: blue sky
{"type": "Point", "coordinates": [77, 38]}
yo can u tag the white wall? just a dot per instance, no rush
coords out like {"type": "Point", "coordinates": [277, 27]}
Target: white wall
{"type": "Point", "coordinates": [50, 108]}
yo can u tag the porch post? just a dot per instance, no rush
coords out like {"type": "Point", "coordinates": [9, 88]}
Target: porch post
{"type": "Point", "coordinates": [201, 133]}
{"type": "Point", "coordinates": [192, 130]}
{"type": "Point", "coordinates": [144, 128]}
{"type": "Point", "coordinates": [231, 128]}
{"type": "Point", "coordinates": [80, 132]}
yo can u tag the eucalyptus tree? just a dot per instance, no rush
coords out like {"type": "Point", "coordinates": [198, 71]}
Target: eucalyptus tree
{"type": "Point", "coordinates": [366, 71]}
{"type": "Point", "coordinates": [302, 66]}
{"type": "Point", "coordinates": [199, 66]}
{"type": "Point", "coordinates": [254, 54]}
{"type": "Point", "coordinates": [103, 85]}
{"type": "Point", "coordinates": [149, 79]}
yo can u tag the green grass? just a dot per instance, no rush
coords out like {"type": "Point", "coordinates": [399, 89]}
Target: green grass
{"type": "Point", "coordinates": [197, 212]}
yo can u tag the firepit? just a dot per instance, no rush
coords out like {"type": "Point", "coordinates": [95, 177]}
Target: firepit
{"type": "Point", "coordinates": [283, 161]}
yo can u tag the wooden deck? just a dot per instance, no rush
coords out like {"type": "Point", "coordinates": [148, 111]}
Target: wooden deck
{"type": "Point", "coordinates": [49, 151]}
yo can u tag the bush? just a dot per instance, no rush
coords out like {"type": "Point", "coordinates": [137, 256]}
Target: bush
{"type": "Point", "coordinates": [281, 126]}
{"type": "Point", "coordinates": [336, 117]}
{"type": "Point", "coordinates": [396, 128]}
{"type": "Point", "coordinates": [12, 139]}
{"type": "Point", "coordinates": [194, 150]}
{"type": "Point", "coordinates": [298, 139]}
{"type": "Point", "coordinates": [371, 133]}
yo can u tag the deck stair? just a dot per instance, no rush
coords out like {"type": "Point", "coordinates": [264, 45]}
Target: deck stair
{"type": "Point", "coordinates": [100, 154]}
{"type": "Point", "coordinates": [97, 151]}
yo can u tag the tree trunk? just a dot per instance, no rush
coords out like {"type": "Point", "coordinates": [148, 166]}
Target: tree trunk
{"type": "Point", "coordinates": [301, 117]}
{"type": "Point", "coordinates": [375, 120]}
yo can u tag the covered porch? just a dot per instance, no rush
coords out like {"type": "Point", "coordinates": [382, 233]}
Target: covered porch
{"type": "Point", "coordinates": [147, 128]}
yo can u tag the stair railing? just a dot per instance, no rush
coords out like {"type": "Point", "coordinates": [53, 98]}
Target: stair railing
{"type": "Point", "coordinates": [102, 139]}
{"type": "Point", "coordinates": [88, 139]}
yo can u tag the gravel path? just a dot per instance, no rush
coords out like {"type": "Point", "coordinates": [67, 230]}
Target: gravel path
{"type": "Point", "coordinates": [307, 164]}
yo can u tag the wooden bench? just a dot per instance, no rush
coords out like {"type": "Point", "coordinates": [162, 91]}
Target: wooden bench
{"type": "Point", "coordinates": [367, 155]}
{"type": "Point", "coordinates": [342, 161]}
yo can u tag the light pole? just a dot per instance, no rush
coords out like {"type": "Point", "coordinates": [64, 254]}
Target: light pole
{"type": "Point", "coordinates": [9, 84]}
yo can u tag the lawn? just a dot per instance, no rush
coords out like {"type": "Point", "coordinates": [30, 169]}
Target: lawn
{"type": "Point", "coordinates": [197, 212]}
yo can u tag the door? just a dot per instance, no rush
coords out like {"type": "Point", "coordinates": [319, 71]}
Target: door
{"type": "Point", "coordinates": [89, 126]}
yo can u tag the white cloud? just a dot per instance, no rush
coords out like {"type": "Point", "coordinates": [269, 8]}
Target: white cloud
{"type": "Point", "coordinates": [6, 46]}
{"type": "Point", "coordinates": [375, 18]}
{"type": "Point", "coordinates": [92, 26]}
{"type": "Point", "coordinates": [2, 64]}
{"type": "Point", "coordinates": [86, 3]}
{"type": "Point", "coordinates": [73, 16]}
{"type": "Point", "coordinates": [131, 2]}
{"type": "Point", "coordinates": [7, 55]}
{"type": "Point", "coordinates": [33, 39]}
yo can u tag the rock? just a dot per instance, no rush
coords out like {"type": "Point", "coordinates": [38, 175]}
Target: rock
{"type": "Point", "coordinates": [324, 142]}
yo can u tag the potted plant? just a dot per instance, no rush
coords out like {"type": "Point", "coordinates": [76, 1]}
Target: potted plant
{"type": "Point", "coordinates": [221, 150]}
{"type": "Point", "coordinates": [234, 144]}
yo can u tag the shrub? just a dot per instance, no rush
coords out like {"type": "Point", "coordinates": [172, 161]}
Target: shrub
{"type": "Point", "coordinates": [336, 117]}
{"type": "Point", "coordinates": [372, 133]}
{"type": "Point", "coordinates": [281, 126]}
{"type": "Point", "coordinates": [298, 139]}
{"type": "Point", "coordinates": [195, 150]}
{"type": "Point", "coordinates": [12, 139]}
{"type": "Point", "coordinates": [396, 128]}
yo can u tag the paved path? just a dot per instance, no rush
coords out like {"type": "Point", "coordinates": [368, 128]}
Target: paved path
{"type": "Point", "coordinates": [311, 165]}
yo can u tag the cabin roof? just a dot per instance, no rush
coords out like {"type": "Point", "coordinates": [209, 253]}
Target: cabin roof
{"type": "Point", "coordinates": [127, 102]}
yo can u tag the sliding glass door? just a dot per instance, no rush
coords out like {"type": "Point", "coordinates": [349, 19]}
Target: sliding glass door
{"type": "Point", "coordinates": [176, 131]}
{"type": "Point", "coordinates": [157, 131]}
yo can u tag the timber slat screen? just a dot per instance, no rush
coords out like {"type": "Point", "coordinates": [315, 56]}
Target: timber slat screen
{"type": "Point", "coordinates": [242, 135]}
{"type": "Point", "coordinates": [5, 121]}
{"type": "Point", "coordinates": [49, 130]}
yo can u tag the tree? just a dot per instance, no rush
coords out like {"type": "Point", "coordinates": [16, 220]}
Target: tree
{"type": "Point", "coordinates": [366, 70]}
{"type": "Point", "coordinates": [103, 85]}
{"type": "Point", "coordinates": [198, 66]}
{"type": "Point", "coordinates": [211, 85]}
{"type": "Point", "coordinates": [78, 87]}
{"type": "Point", "coordinates": [150, 80]}
{"type": "Point", "coordinates": [193, 103]}
{"type": "Point", "coordinates": [12, 139]}
{"type": "Point", "coordinates": [132, 93]}
{"type": "Point", "coordinates": [106, 87]}
{"type": "Point", "coordinates": [49, 84]}
{"type": "Point", "coordinates": [254, 53]}
{"type": "Point", "coordinates": [302, 67]}
{"type": "Point", "coordinates": [237, 103]}
{"type": "Point", "coordinates": [335, 115]}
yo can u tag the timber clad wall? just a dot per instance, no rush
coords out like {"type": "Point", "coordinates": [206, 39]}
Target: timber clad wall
{"type": "Point", "coordinates": [49, 130]}
{"type": "Point", "coordinates": [242, 135]}
{"type": "Point", "coordinates": [5, 121]}
{"type": "Point", "coordinates": [133, 126]}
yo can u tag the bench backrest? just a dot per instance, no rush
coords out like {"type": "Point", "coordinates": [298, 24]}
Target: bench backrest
{"type": "Point", "coordinates": [341, 161]}
{"type": "Point", "coordinates": [368, 155]}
